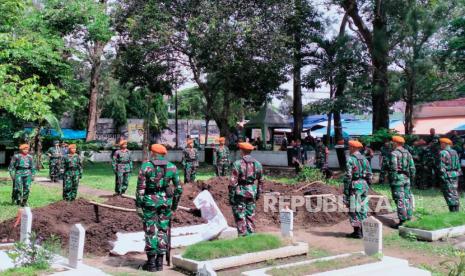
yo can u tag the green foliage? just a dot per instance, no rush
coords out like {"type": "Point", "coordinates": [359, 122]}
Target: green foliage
{"type": "Point", "coordinates": [209, 250]}
{"type": "Point", "coordinates": [191, 103]}
{"type": "Point", "coordinates": [310, 174]}
{"type": "Point", "coordinates": [379, 137]}
{"type": "Point", "coordinates": [437, 221]}
{"type": "Point", "coordinates": [455, 267]}
{"type": "Point", "coordinates": [39, 253]}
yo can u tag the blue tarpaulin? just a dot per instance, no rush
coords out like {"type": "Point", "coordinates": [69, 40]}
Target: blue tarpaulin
{"type": "Point", "coordinates": [68, 133]}
{"type": "Point", "coordinates": [354, 128]}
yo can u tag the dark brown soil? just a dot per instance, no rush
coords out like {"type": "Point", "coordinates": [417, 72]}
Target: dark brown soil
{"type": "Point", "coordinates": [57, 218]}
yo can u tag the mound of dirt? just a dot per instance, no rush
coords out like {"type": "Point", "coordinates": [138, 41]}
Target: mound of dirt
{"type": "Point", "coordinates": [57, 218]}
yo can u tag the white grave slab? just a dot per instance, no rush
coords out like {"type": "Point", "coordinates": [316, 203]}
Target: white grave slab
{"type": "Point", "coordinates": [26, 224]}
{"type": "Point", "coordinates": [286, 217]}
{"type": "Point", "coordinates": [76, 245]}
{"type": "Point", "coordinates": [372, 236]}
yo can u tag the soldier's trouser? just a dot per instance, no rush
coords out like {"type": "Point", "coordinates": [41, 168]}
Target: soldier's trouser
{"type": "Point", "coordinates": [402, 196]}
{"type": "Point", "coordinates": [54, 169]}
{"type": "Point", "coordinates": [70, 185]}
{"type": "Point", "coordinates": [156, 223]}
{"type": "Point", "coordinates": [21, 184]}
{"type": "Point", "coordinates": [358, 203]}
{"type": "Point", "coordinates": [189, 172]}
{"type": "Point", "coordinates": [449, 190]}
{"type": "Point", "coordinates": [121, 182]}
{"type": "Point", "coordinates": [244, 215]}
{"type": "Point", "coordinates": [221, 169]}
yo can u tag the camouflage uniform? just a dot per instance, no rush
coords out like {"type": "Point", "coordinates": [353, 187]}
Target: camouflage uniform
{"type": "Point", "coordinates": [244, 191]}
{"type": "Point", "coordinates": [22, 170]}
{"type": "Point", "coordinates": [385, 152]}
{"type": "Point", "coordinates": [321, 157]}
{"type": "Point", "coordinates": [190, 163]}
{"type": "Point", "coordinates": [72, 173]}
{"type": "Point", "coordinates": [401, 172]}
{"type": "Point", "coordinates": [449, 170]}
{"type": "Point", "coordinates": [157, 200]}
{"type": "Point", "coordinates": [432, 162]}
{"type": "Point", "coordinates": [122, 166]}
{"type": "Point", "coordinates": [221, 160]}
{"type": "Point", "coordinates": [55, 156]}
{"type": "Point", "coordinates": [420, 158]}
{"type": "Point", "coordinates": [357, 178]}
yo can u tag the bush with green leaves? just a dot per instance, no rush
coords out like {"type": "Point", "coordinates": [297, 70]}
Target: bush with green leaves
{"type": "Point", "coordinates": [37, 252]}
{"type": "Point", "coordinates": [309, 174]}
{"type": "Point", "coordinates": [455, 267]}
{"type": "Point", "coordinates": [378, 138]}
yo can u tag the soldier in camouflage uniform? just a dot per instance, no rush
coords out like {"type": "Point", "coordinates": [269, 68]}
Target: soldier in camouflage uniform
{"type": "Point", "coordinates": [419, 155]}
{"type": "Point", "coordinates": [22, 171]}
{"type": "Point", "coordinates": [384, 161]}
{"type": "Point", "coordinates": [321, 156]}
{"type": "Point", "coordinates": [449, 171]}
{"type": "Point", "coordinates": [401, 173]}
{"type": "Point", "coordinates": [221, 158]}
{"type": "Point", "coordinates": [54, 156]}
{"type": "Point", "coordinates": [156, 203]}
{"type": "Point", "coordinates": [433, 157]}
{"type": "Point", "coordinates": [190, 161]}
{"type": "Point", "coordinates": [72, 173]}
{"type": "Point", "coordinates": [244, 189]}
{"type": "Point", "coordinates": [122, 166]}
{"type": "Point", "coordinates": [357, 178]}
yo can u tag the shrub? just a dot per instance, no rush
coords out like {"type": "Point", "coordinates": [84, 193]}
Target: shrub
{"type": "Point", "coordinates": [38, 253]}
{"type": "Point", "coordinates": [309, 174]}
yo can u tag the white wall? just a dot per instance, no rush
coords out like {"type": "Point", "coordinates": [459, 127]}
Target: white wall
{"type": "Point", "coordinates": [173, 156]}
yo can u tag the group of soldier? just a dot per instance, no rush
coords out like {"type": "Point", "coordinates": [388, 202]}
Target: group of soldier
{"type": "Point", "coordinates": [401, 169]}
{"type": "Point", "coordinates": [65, 163]}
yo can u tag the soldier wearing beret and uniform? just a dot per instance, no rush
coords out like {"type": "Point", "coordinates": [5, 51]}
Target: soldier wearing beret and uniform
{"type": "Point", "coordinates": [449, 171]}
{"type": "Point", "coordinates": [221, 158]}
{"type": "Point", "coordinates": [357, 178]}
{"type": "Point", "coordinates": [122, 166]}
{"type": "Point", "coordinates": [401, 174]}
{"type": "Point", "coordinates": [156, 202]}
{"type": "Point", "coordinates": [54, 155]}
{"type": "Point", "coordinates": [190, 161]}
{"type": "Point", "coordinates": [72, 173]}
{"type": "Point", "coordinates": [22, 171]}
{"type": "Point", "coordinates": [244, 189]}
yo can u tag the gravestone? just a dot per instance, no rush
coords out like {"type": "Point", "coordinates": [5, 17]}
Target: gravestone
{"type": "Point", "coordinates": [76, 245]}
{"type": "Point", "coordinates": [26, 224]}
{"type": "Point", "coordinates": [372, 236]}
{"type": "Point", "coordinates": [286, 217]}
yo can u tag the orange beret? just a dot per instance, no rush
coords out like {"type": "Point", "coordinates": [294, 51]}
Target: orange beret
{"type": "Point", "coordinates": [398, 139]}
{"type": "Point", "coordinates": [221, 139]}
{"type": "Point", "coordinates": [355, 144]}
{"type": "Point", "coordinates": [446, 141]}
{"type": "Point", "coordinates": [23, 146]}
{"type": "Point", "coordinates": [123, 142]}
{"type": "Point", "coordinates": [157, 148]}
{"type": "Point", "coordinates": [246, 146]}
{"type": "Point", "coordinates": [72, 146]}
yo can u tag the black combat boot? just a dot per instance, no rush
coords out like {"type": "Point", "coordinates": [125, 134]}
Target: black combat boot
{"type": "Point", "coordinates": [159, 262]}
{"type": "Point", "coordinates": [455, 208]}
{"type": "Point", "coordinates": [357, 234]}
{"type": "Point", "coordinates": [150, 265]}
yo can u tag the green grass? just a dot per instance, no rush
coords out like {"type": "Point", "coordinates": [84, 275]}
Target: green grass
{"type": "Point", "coordinates": [438, 221]}
{"type": "Point", "coordinates": [26, 271]}
{"type": "Point", "coordinates": [433, 249]}
{"type": "Point", "coordinates": [224, 248]}
{"type": "Point", "coordinates": [318, 253]}
{"type": "Point", "coordinates": [39, 196]}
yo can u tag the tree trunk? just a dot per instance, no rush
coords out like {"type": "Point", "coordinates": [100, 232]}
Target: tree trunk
{"type": "Point", "coordinates": [297, 78]}
{"type": "Point", "coordinates": [328, 129]}
{"type": "Point", "coordinates": [94, 91]}
{"type": "Point", "coordinates": [380, 54]}
{"type": "Point", "coordinates": [38, 148]}
{"type": "Point", "coordinates": [207, 121]}
{"type": "Point", "coordinates": [176, 125]}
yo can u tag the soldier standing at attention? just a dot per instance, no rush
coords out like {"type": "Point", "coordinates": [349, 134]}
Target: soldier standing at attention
{"type": "Point", "coordinates": [449, 170]}
{"type": "Point", "coordinates": [54, 156]}
{"type": "Point", "coordinates": [122, 166]}
{"type": "Point", "coordinates": [190, 161]}
{"type": "Point", "coordinates": [156, 203]}
{"type": "Point", "coordinates": [299, 156]}
{"type": "Point", "coordinates": [244, 189]}
{"type": "Point", "coordinates": [72, 173]}
{"type": "Point", "coordinates": [386, 149]}
{"type": "Point", "coordinates": [401, 173]}
{"type": "Point", "coordinates": [357, 178]}
{"type": "Point", "coordinates": [22, 171]}
{"type": "Point", "coordinates": [420, 158]}
{"type": "Point", "coordinates": [221, 158]}
{"type": "Point", "coordinates": [321, 156]}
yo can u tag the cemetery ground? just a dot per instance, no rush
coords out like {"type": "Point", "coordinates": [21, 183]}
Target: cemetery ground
{"type": "Point", "coordinates": [325, 237]}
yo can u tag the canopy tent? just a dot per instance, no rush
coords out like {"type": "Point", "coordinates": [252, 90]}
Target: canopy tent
{"type": "Point", "coordinates": [267, 119]}
{"type": "Point", "coordinates": [313, 122]}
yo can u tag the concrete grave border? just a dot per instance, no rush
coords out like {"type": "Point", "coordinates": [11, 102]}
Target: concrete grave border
{"type": "Point", "coordinates": [299, 248]}
{"type": "Point", "coordinates": [434, 235]}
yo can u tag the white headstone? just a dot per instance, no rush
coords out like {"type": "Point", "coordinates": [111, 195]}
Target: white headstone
{"type": "Point", "coordinates": [286, 217]}
{"type": "Point", "coordinates": [76, 245]}
{"type": "Point", "coordinates": [372, 236]}
{"type": "Point", "coordinates": [26, 224]}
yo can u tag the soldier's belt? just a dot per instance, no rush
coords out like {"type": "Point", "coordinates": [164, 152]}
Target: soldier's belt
{"type": "Point", "coordinates": [23, 168]}
{"type": "Point", "coordinates": [124, 162]}
{"type": "Point", "coordinates": [72, 169]}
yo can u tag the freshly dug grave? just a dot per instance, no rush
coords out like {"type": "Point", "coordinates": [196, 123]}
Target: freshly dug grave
{"type": "Point", "coordinates": [57, 218]}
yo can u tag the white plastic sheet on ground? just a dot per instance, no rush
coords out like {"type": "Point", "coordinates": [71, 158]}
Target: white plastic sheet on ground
{"type": "Point", "coordinates": [180, 236]}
